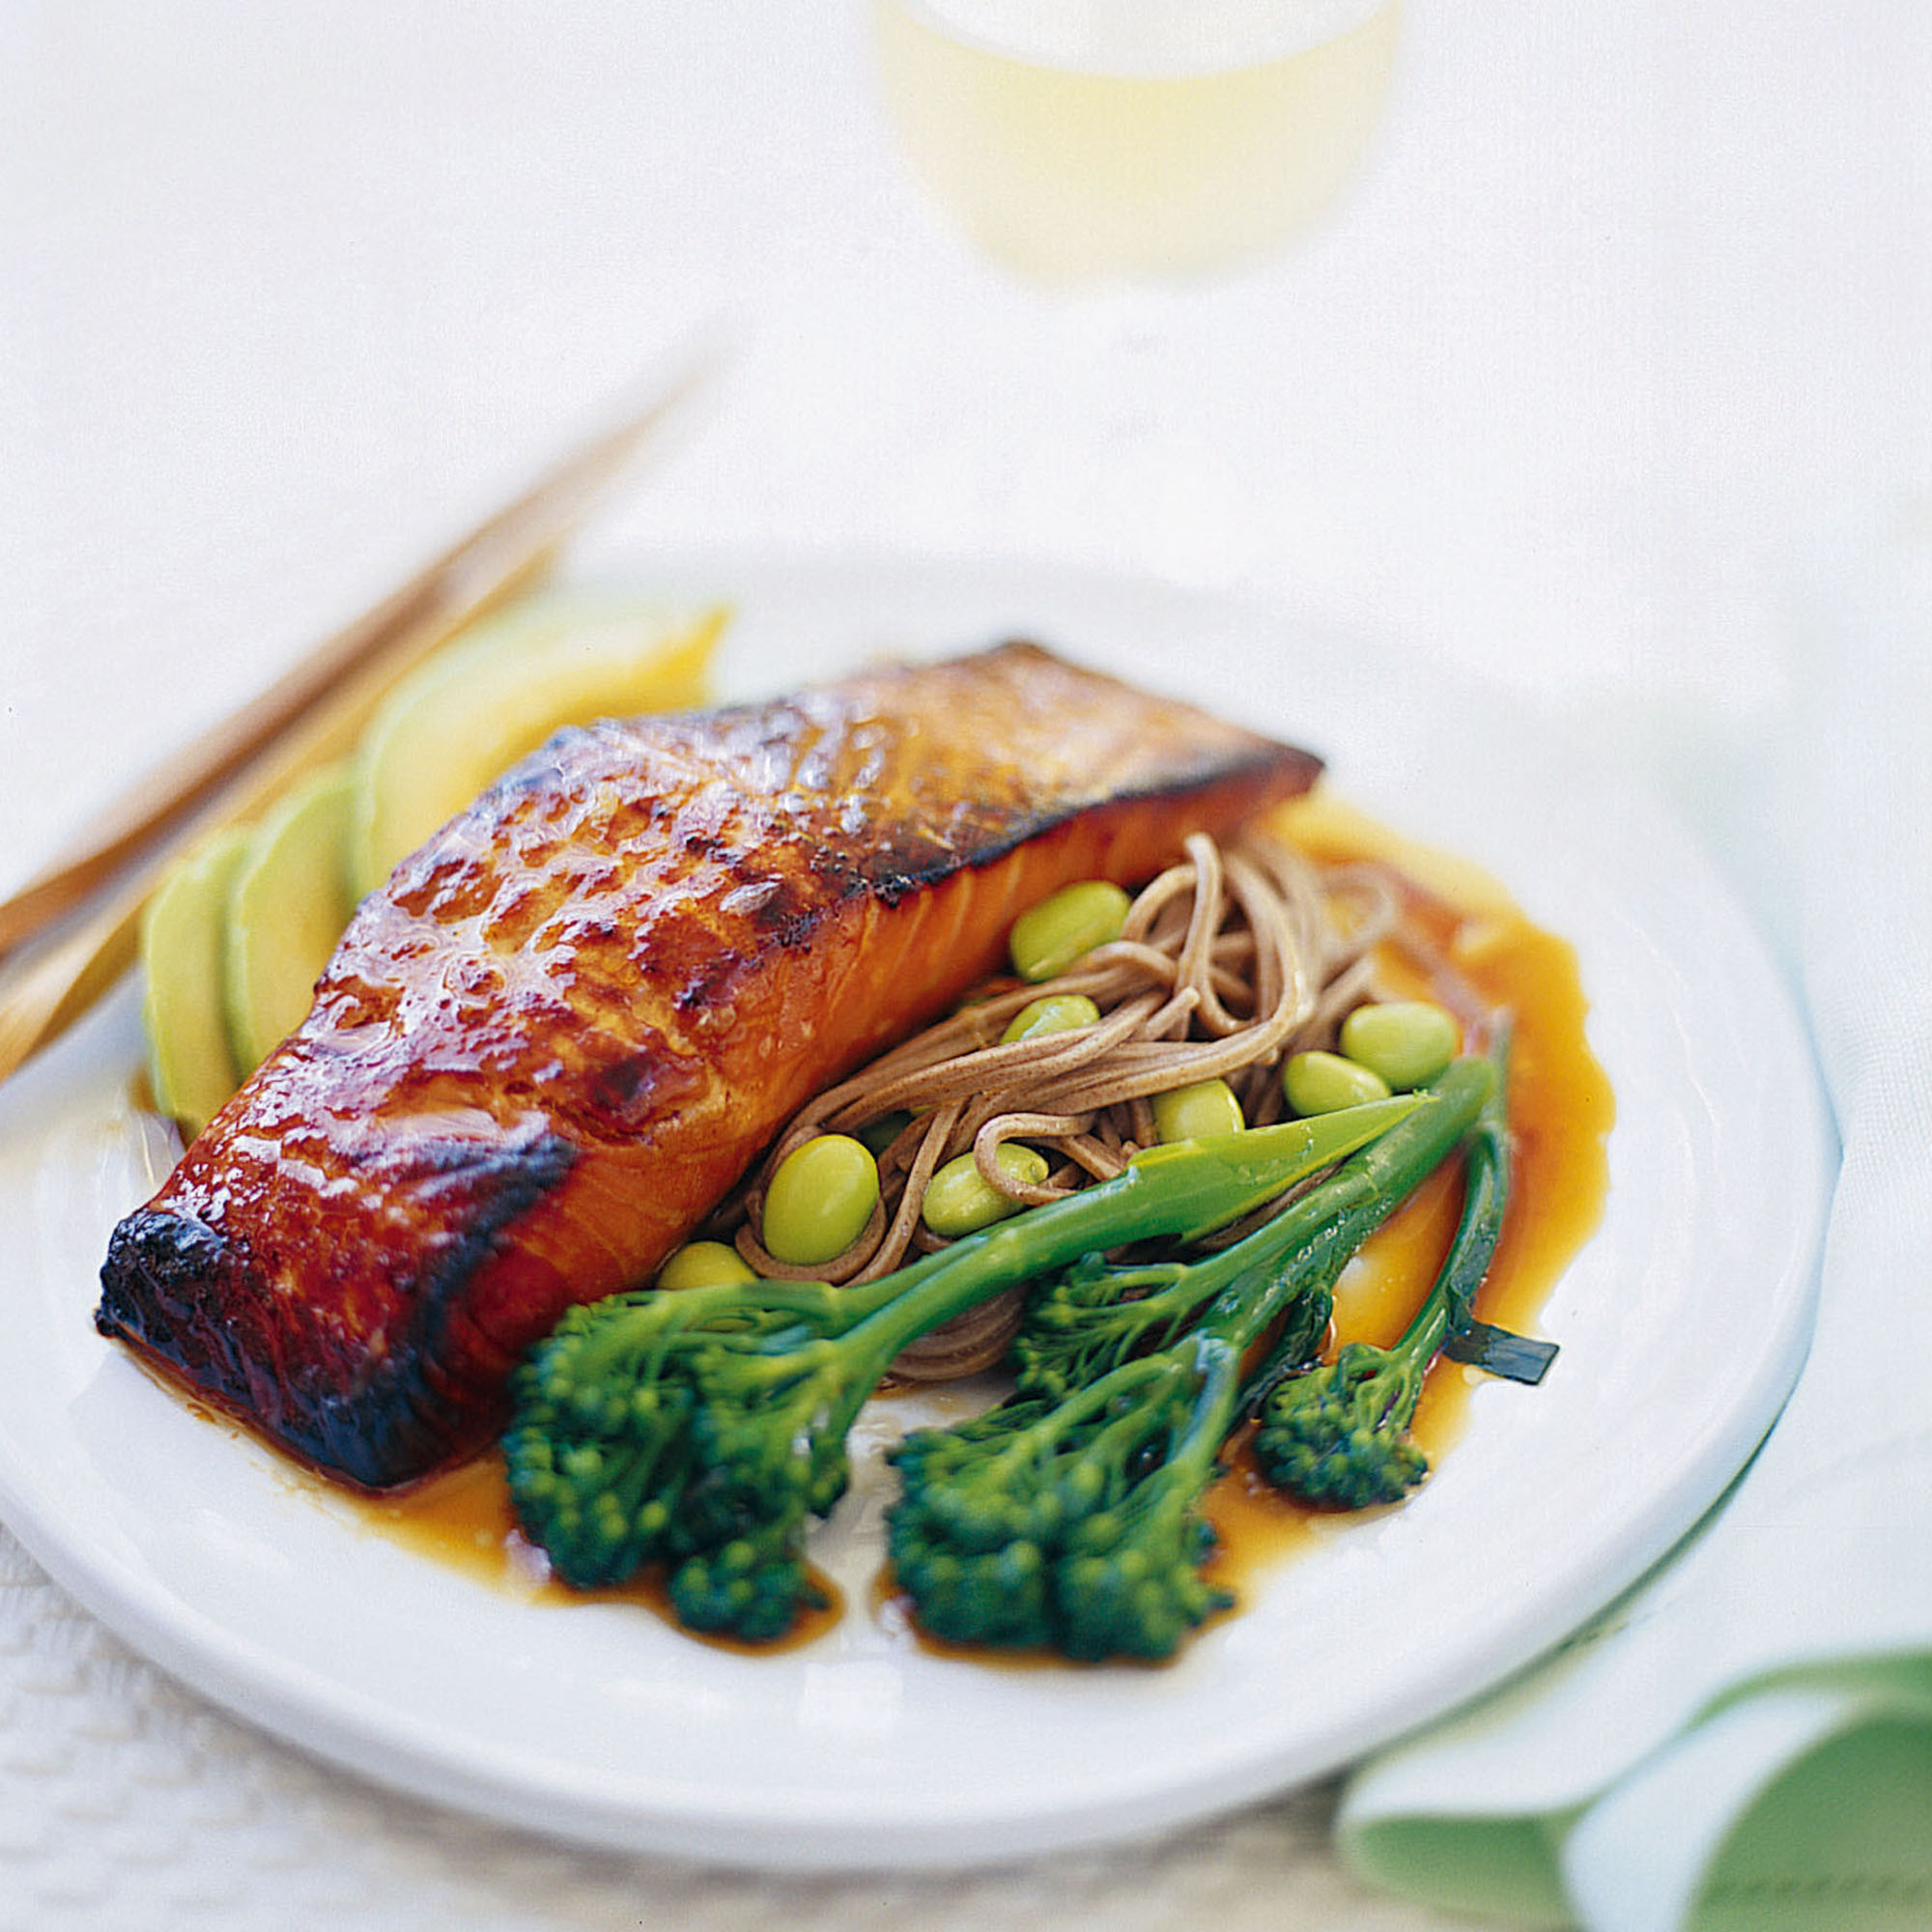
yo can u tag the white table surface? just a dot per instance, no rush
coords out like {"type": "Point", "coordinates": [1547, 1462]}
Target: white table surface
{"type": "Point", "coordinates": [1626, 300]}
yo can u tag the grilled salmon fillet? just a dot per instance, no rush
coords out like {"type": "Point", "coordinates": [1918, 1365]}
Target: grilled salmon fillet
{"type": "Point", "coordinates": [575, 1017]}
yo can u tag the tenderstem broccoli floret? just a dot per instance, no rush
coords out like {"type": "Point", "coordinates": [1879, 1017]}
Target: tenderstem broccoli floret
{"type": "Point", "coordinates": [1072, 1523]}
{"type": "Point", "coordinates": [1338, 1434]}
{"type": "Point", "coordinates": [705, 1427]}
{"type": "Point", "coordinates": [606, 1443]}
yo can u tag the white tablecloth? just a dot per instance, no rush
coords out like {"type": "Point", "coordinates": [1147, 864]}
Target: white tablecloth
{"type": "Point", "coordinates": [1626, 296]}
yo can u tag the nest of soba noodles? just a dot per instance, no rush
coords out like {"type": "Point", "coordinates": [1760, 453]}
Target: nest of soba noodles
{"type": "Point", "coordinates": [1228, 963]}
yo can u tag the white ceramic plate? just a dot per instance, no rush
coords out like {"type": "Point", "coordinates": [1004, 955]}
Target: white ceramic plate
{"type": "Point", "coordinates": [1680, 1324]}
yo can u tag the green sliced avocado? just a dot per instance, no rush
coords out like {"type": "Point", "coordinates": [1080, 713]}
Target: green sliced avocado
{"type": "Point", "coordinates": [190, 1064]}
{"type": "Point", "coordinates": [558, 658]}
{"type": "Point", "coordinates": [288, 901]}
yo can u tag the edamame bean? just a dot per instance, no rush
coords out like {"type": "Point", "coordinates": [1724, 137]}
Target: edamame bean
{"type": "Point", "coordinates": [819, 1199]}
{"type": "Point", "coordinates": [703, 1264]}
{"type": "Point", "coordinates": [1324, 1083]}
{"type": "Point", "coordinates": [1057, 1013]}
{"type": "Point", "coordinates": [1191, 1113]}
{"type": "Point", "coordinates": [1047, 938]}
{"type": "Point", "coordinates": [1408, 1042]}
{"type": "Point", "coordinates": [958, 1200]}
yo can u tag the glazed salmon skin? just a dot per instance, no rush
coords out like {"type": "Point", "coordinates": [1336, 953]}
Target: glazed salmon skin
{"type": "Point", "coordinates": [573, 1019]}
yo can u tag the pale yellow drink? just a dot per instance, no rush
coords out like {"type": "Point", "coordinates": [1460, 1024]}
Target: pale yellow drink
{"type": "Point", "coordinates": [1077, 139]}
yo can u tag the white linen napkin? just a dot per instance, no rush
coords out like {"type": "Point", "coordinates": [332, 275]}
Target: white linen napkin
{"type": "Point", "coordinates": [1744, 1740]}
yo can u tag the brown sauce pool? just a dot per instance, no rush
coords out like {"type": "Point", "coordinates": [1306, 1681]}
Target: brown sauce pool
{"type": "Point", "coordinates": [1561, 1110]}
{"type": "Point", "coordinates": [464, 1518]}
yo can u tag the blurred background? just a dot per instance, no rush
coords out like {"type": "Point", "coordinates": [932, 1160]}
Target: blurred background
{"type": "Point", "coordinates": [1618, 300]}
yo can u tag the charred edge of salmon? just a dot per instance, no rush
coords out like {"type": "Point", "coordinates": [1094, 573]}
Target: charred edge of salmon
{"type": "Point", "coordinates": [891, 873]}
{"type": "Point", "coordinates": [890, 882]}
{"type": "Point", "coordinates": [183, 1295]}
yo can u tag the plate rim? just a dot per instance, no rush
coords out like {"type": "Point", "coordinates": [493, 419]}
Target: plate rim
{"type": "Point", "coordinates": [261, 1685]}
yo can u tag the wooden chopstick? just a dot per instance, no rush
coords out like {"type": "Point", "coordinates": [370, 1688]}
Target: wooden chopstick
{"type": "Point", "coordinates": [45, 988]}
{"type": "Point", "coordinates": [399, 631]}
{"type": "Point", "coordinates": [310, 716]}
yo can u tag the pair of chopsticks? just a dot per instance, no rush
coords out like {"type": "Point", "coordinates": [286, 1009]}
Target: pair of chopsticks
{"type": "Point", "coordinates": [70, 933]}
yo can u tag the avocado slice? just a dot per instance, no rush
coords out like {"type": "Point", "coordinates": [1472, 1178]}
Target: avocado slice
{"type": "Point", "coordinates": [288, 901]}
{"type": "Point", "coordinates": [191, 1065]}
{"type": "Point", "coordinates": [558, 658]}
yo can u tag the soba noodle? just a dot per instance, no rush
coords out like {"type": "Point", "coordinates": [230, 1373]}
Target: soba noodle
{"type": "Point", "coordinates": [1228, 963]}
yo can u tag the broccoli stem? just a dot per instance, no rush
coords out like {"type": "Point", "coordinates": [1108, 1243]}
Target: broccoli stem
{"type": "Point", "coordinates": [1182, 1190]}
{"type": "Point", "coordinates": [1484, 1197]}
{"type": "Point", "coordinates": [1485, 1139]}
{"type": "Point", "coordinates": [1093, 1318]}
{"type": "Point", "coordinates": [1332, 1220]}
{"type": "Point", "coordinates": [1485, 1203]}
{"type": "Point", "coordinates": [1339, 1434]}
